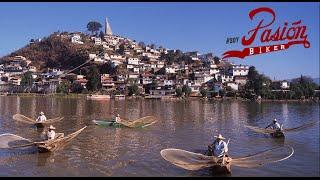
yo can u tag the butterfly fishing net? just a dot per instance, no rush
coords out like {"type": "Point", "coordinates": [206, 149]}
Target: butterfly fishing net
{"type": "Point", "coordinates": [10, 140]}
{"type": "Point", "coordinates": [188, 160]}
{"type": "Point", "coordinates": [261, 130]}
{"type": "Point", "coordinates": [25, 119]}
{"type": "Point", "coordinates": [22, 118]}
{"type": "Point", "coordinates": [145, 121]}
{"type": "Point", "coordinates": [264, 157]}
{"type": "Point", "coordinates": [304, 126]}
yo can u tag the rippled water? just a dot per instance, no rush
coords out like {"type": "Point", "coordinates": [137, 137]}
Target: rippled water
{"type": "Point", "coordinates": [108, 151]}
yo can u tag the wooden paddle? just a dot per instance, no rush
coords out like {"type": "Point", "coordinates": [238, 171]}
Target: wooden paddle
{"type": "Point", "coordinates": [224, 154]}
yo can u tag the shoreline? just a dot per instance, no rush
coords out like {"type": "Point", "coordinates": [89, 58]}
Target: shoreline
{"type": "Point", "coordinates": [75, 95]}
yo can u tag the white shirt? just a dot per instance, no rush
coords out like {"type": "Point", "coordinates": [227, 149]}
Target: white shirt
{"type": "Point", "coordinates": [117, 119]}
{"type": "Point", "coordinates": [41, 118]}
{"type": "Point", "coordinates": [51, 134]}
{"type": "Point", "coordinates": [220, 148]}
{"type": "Point", "coordinates": [275, 126]}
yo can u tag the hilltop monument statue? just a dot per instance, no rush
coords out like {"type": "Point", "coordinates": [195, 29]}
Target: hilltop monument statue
{"type": "Point", "coordinates": [108, 30]}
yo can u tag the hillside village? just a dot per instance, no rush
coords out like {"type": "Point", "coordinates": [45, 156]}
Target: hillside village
{"type": "Point", "coordinates": [132, 69]}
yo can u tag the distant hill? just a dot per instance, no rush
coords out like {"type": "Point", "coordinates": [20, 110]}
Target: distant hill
{"type": "Point", "coordinates": [316, 80]}
{"type": "Point", "coordinates": [56, 51]}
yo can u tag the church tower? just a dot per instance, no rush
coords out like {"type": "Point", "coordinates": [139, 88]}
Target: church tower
{"type": "Point", "coordinates": [108, 30]}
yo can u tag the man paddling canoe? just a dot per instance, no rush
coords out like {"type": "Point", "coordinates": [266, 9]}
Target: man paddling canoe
{"type": "Point", "coordinates": [219, 147]}
{"type": "Point", "coordinates": [41, 117]}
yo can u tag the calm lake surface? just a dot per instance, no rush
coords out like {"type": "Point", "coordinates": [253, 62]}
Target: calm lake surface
{"type": "Point", "coordinates": [191, 125]}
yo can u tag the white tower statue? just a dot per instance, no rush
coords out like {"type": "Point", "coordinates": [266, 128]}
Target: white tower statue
{"type": "Point", "coordinates": [108, 30]}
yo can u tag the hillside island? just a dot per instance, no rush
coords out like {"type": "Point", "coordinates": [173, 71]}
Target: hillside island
{"type": "Point", "coordinates": [102, 63]}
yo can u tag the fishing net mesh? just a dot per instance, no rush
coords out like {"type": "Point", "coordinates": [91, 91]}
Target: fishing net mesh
{"type": "Point", "coordinates": [10, 140]}
{"type": "Point", "coordinates": [261, 130]}
{"type": "Point", "coordinates": [264, 157]}
{"type": "Point", "coordinates": [300, 127]}
{"type": "Point", "coordinates": [188, 160]}
{"type": "Point", "coordinates": [140, 122]}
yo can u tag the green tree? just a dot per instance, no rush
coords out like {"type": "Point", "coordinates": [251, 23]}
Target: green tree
{"type": "Point", "coordinates": [121, 49]}
{"type": "Point", "coordinates": [203, 92]}
{"type": "Point", "coordinates": [216, 59]}
{"type": "Point", "coordinates": [101, 35]}
{"type": "Point", "coordinates": [94, 79]}
{"type": "Point", "coordinates": [133, 89]}
{"type": "Point", "coordinates": [186, 90]}
{"type": "Point", "coordinates": [303, 86]}
{"type": "Point", "coordinates": [179, 92]}
{"type": "Point", "coordinates": [153, 46]}
{"type": "Point", "coordinates": [258, 84]}
{"type": "Point", "coordinates": [27, 79]}
{"type": "Point", "coordinates": [161, 71]}
{"type": "Point", "coordinates": [93, 26]}
{"type": "Point", "coordinates": [63, 87]}
{"type": "Point", "coordinates": [142, 44]}
{"type": "Point", "coordinates": [76, 87]}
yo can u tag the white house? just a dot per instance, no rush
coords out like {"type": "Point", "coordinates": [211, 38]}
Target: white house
{"type": "Point", "coordinates": [134, 61]}
{"type": "Point", "coordinates": [76, 38]}
{"type": "Point", "coordinates": [171, 70]}
{"type": "Point", "coordinates": [233, 85]}
{"type": "Point", "coordinates": [226, 78]}
{"type": "Point", "coordinates": [92, 56]}
{"type": "Point", "coordinates": [160, 64]}
{"type": "Point", "coordinates": [97, 41]}
{"type": "Point", "coordinates": [241, 80]}
{"type": "Point", "coordinates": [32, 68]}
{"type": "Point", "coordinates": [136, 69]}
{"type": "Point", "coordinates": [117, 57]}
{"type": "Point", "coordinates": [240, 70]}
{"type": "Point", "coordinates": [285, 85]}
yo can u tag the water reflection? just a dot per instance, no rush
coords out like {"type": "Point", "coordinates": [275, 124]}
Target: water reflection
{"type": "Point", "coordinates": [189, 125]}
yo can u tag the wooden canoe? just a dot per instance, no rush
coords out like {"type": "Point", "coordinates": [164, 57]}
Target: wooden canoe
{"type": "Point", "coordinates": [137, 123]}
{"type": "Point", "coordinates": [272, 132]}
{"type": "Point", "coordinates": [58, 143]}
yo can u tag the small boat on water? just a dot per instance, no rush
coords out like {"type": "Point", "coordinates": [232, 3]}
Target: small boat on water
{"type": "Point", "coordinates": [141, 122]}
{"type": "Point", "coordinates": [196, 161]}
{"type": "Point", "coordinates": [277, 133]}
{"type": "Point", "coordinates": [28, 120]}
{"type": "Point", "coordinates": [15, 141]}
{"type": "Point", "coordinates": [98, 97]}
{"type": "Point", "coordinates": [57, 143]}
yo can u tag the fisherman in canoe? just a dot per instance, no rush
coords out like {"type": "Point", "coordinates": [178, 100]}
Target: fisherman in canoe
{"type": "Point", "coordinates": [51, 134]}
{"type": "Point", "coordinates": [118, 119]}
{"type": "Point", "coordinates": [277, 127]}
{"type": "Point", "coordinates": [41, 117]}
{"type": "Point", "coordinates": [274, 125]}
{"type": "Point", "coordinates": [218, 148]}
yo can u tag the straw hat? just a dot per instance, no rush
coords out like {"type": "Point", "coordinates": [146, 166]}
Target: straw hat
{"type": "Point", "coordinates": [41, 113]}
{"type": "Point", "coordinates": [51, 127]}
{"type": "Point", "coordinates": [219, 137]}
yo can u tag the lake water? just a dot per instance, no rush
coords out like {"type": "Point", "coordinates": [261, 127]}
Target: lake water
{"type": "Point", "coordinates": [191, 125]}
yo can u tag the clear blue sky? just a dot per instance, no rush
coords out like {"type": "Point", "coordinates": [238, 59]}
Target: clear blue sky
{"type": "Point", "coordinates": [186, 26]}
